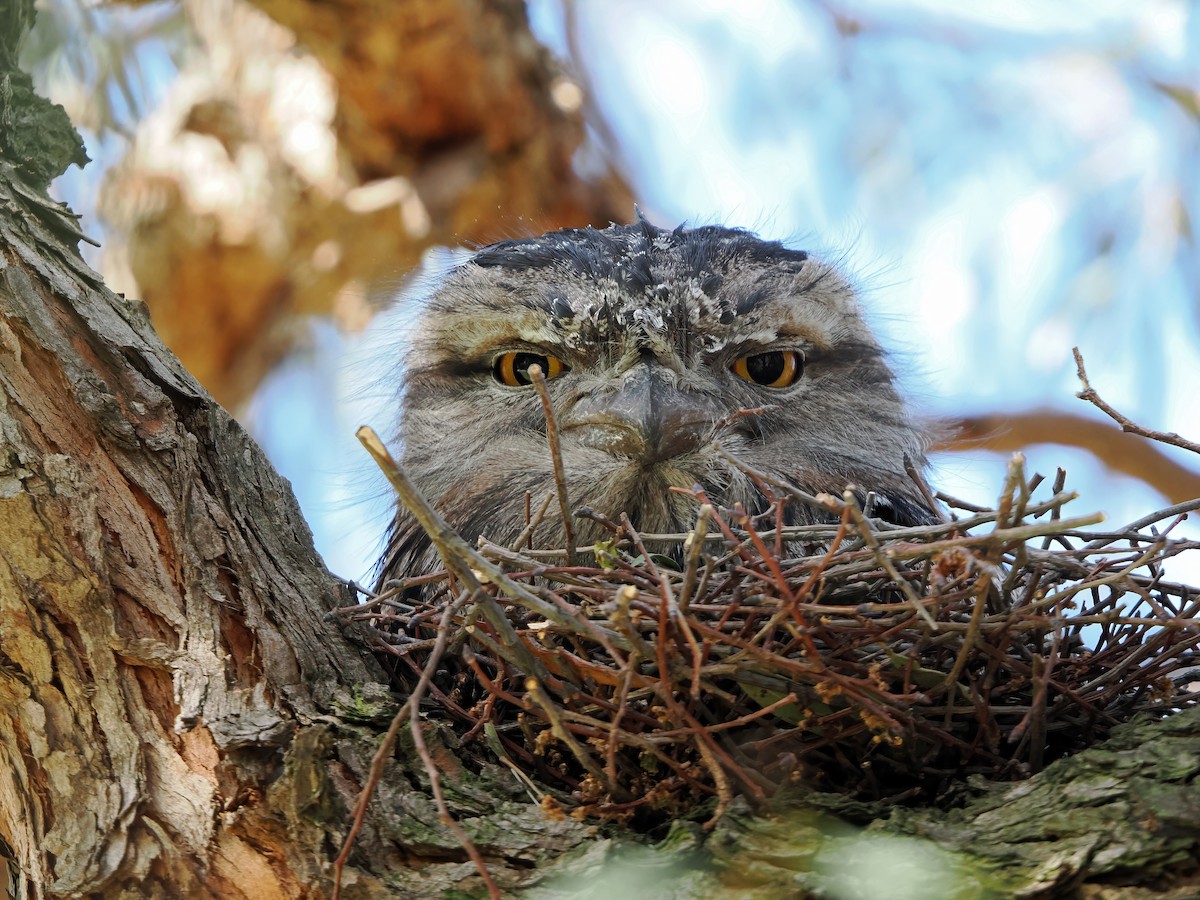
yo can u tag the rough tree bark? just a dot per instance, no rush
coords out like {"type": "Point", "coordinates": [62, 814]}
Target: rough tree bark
{"type": "Point", "coordinates": [178, 719]}
{"type": "Point", "coordinates": [163, 647]}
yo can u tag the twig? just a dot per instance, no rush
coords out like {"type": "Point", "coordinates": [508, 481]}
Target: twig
{"type": "Point", "coordinates": [386, 747]}
{"type": "Point", "coordinates": [1091, 396]}
{"type": "Point", "coordinates": [1138, 524]}
{"type": "Point", "coordinates": [668, 604]}
{"type": "Point", "coordinates": [744, 669]}
{"type": "Point", "coordinates": [435, 781]}
{"type": "Point", "coordinates": [694, 546]}
{"type": "Point", "coordinates": [882, 557]}
{"type": "Point", "coordinates": [551, 711]}
{"type": "Point", "coordinates": [463, 560]}
{"type": "Point", "coordinates": [982, 585]}
{"type": "Point", "coordinates": [534, 520]}
{"type": "Point", "coordinates": [560, 481]}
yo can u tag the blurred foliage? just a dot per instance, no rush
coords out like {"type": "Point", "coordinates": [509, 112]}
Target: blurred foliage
{"type": "Point", "coordinates": [1037, 167]}
{"type": "Point", "coordinates": [105, 62]}
{"type": "Point", "coordinates": [1008, 178]}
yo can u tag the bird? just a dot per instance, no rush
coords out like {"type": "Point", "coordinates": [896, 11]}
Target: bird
{"type": "Point", "coordinates": [667, 354]}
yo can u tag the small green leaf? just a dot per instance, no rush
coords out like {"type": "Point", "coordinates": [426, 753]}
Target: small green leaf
{"type": "Point", "coordinates": [922, 677]}
{"type": "Point", "coordinates": [665, 562]}
{"type": "Point", "coordinates": [791, 713]}
{"type": "Point", "coordinates": [606, 554]}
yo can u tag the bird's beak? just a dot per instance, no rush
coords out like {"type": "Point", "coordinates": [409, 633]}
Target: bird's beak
{"type": "Point", "coordinates": [646, 417]}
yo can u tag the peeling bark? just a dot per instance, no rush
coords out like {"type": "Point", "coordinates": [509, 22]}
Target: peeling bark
{"type": "Point", "coordinates": [161, 601]}
{"type": "Point", "coordinates": [177, 718]}
{"type": "Point", "coordinates": [161, 633]}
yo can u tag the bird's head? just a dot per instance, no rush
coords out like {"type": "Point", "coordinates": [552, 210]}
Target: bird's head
{"type": "Point", "coordinates": [665, 353]}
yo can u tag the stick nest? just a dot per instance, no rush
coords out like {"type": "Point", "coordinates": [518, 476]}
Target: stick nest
{"type": "Point", "coordinates": [653, 676]}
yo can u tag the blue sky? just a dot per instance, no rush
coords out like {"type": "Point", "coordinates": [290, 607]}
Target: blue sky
{"type": "Point", "coordinates": [1005, 179]}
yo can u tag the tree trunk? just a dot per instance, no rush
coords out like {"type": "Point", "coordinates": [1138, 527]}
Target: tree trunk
{"type": "Point", "coordinates": [163, 650]}
{"type": "Point", "coordinates": [166, 674]}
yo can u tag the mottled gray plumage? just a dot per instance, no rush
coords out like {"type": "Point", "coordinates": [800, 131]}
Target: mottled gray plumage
{"type": "Point", "coordinates": [649, 325]}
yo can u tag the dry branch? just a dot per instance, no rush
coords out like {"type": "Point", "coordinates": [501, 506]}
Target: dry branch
{"type": "Point", "coordinates": [1091, 396]}
{"type": "Point", "coordinates": [1133, 450]}
{"type": "Point", "coordinates": [672, 672]}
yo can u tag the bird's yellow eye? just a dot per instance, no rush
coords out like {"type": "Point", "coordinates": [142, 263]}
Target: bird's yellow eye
{"type": "Point", "coordinates": [512, 368]}
{"type": "Point", "coordinates": [775, 368]}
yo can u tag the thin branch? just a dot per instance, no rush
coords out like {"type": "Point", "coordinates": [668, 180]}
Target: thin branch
{"type": "Point", "coordinates": [386, 747]}
{"type": "Point", "coordinates": [560, 480]}
{"type": "Point", "coordinates": [743, 669]}
{"type": "Point", "coordinates": [1091, 396]}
